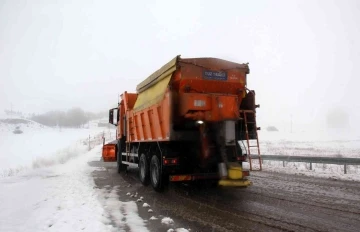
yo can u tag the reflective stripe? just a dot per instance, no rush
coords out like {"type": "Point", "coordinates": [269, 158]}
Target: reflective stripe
{"type": "Point", "coordinates": [180, 178]}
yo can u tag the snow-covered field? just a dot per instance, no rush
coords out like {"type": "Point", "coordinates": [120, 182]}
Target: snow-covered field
{"type": "Point", "coordinates": [39, 145]}
{"type": "Point", "coordinates": [329, 143]}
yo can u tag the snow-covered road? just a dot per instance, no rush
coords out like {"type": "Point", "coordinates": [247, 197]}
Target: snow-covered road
{"type": "Point", "coordinates": [275, 202]}
{"type": "Point", "coordinates": [65, 187]}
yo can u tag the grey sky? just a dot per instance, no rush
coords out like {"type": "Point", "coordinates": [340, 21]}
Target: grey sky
{"type": "Point", "coordinates": [304, 55]}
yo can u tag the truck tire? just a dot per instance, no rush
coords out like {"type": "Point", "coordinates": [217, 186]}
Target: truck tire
{"type": "Point", "coordinates": [144, 173]}
{"type": "Point", "coordinates": [120, 166]}
{"type": "Point", "coordinates": [156, 174]}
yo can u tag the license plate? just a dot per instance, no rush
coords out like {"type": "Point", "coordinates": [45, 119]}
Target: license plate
{"type": "Point", "coordinates": [215, 75]}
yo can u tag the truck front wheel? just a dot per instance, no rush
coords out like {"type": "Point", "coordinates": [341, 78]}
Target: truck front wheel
{"type": "Point", "coordinates": [120, 166]}
{"type": "Point", "coordinates": [156, 174]}
{"type": "Point", "coordinates": [144, 170]}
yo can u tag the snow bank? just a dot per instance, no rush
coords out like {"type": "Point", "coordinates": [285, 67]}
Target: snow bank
{"type": "Point", "coordinates": [60, 198]}
{"type": "Point", "coordinates": [40, 146]}
{"type": "Point", "coordinates": [329, 171]}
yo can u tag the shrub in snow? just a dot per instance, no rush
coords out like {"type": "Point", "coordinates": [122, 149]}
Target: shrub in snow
{"type": "Point", "coordinates": [12, 171]}
{"type": "Point", "coordinates": [17, 131]}
{"type": "Point", "coordinates": [153, 218]}
{"type": "Point", "coordinates": [150, 211]}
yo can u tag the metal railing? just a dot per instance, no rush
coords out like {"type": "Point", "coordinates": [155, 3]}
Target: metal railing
{"type": "Point", "coordinates": [99, 138]}
{"type": "Point", "coordinates": [311, 160]}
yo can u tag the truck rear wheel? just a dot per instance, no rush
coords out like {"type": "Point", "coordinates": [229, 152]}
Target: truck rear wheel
{"type": "Point", "coordinates": [144, 170]}
{"type": "Point", "coordinates": [156, 174]}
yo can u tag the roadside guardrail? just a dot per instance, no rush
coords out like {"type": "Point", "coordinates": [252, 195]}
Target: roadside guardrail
{"type": "Point", "coordinates": [311, 159]}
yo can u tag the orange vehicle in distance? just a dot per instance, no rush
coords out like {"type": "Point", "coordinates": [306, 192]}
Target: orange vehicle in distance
{"type": "Point", "coordinates": [188, 121]}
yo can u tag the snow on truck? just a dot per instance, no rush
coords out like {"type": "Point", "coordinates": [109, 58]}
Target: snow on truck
{"type": "Point", "coordinates": [188, 121]}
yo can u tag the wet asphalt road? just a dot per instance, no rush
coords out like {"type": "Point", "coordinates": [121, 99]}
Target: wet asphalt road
{"type": "Point", "coordinates": [275, 202]}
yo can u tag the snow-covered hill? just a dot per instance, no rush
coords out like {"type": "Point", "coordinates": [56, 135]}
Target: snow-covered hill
{"type": "Point", "coordinates": [38, 145]}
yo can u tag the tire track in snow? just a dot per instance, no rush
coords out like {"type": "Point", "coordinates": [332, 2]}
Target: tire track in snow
{"type": "Point", "coordinates": [276, 202]}
{"type": "Point", "coordinates": [328, 201]}
{"type": "Point", "coordinates": [221, 210]}
{"type": "Point", "coordinates": [123, 214]}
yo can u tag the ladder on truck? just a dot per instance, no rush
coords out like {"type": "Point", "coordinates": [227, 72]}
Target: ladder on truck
{"type": "Point", "coordinates": [252, 115]}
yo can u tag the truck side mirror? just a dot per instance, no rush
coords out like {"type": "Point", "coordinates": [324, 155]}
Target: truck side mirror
{"type": "Point", "coordinates": [113, 116]}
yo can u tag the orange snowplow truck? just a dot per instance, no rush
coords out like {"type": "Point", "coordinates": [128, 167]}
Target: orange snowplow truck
{"type": "Point", "coordinates": [185, 123]}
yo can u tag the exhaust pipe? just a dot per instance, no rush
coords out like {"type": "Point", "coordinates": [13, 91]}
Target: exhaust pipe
{"type": "Point", "coordinates": [222, 170]}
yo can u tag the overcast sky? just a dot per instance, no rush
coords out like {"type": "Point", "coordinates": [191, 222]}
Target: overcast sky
{"type": "Point", "coordinates": [304, 55]}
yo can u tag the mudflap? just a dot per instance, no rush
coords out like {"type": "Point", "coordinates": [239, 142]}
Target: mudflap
{"type": "Point", "coordinates": [109, 152]}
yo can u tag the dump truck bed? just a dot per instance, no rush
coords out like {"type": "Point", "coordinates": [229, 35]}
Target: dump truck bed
{"type": "Point", "coordinates": [179, 87]}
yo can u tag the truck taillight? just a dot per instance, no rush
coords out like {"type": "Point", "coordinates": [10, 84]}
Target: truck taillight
{"type": "Point", "coordinates": [241, 158]}
{"type": "Point", "coordinates": [170, 161]}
